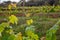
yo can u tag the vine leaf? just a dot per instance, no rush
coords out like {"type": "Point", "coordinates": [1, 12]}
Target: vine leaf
{"type": "Point", "coordinates": [13, 19]}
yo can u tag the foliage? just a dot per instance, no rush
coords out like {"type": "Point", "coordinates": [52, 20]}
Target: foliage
{"type": "Point", "coordinates": [7, 32]}
{"type": "Point", "coordinates": [29, 22]}
{"type": "Point", "coordinates": [40, 9]}
{"type": "Point", "coordinates": [13, 19]}
{"type": "Point", "coordinates": [2, 26]}
{"type": "Point", "coordinates": [9, 7]}
{"type": "Point", "coordinates": [30, 34]}
{"type": "Point", "coordinates": [19, 36]}
{"type": "Point", "coordinates": [31, 26]}
{"type": "Point", "coordinates": [51, 33]}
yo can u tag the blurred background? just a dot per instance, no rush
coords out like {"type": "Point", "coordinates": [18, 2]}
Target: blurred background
{"type": "Point", "coordinates": [45, 14]}
{"type": "Point", "coordinates": [30, 2]}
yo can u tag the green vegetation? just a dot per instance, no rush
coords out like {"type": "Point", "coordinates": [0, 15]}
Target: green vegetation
{"type": "Point", "coordinates": [40, 9]}
{"type": "Point", "coordinates": [34, 24]}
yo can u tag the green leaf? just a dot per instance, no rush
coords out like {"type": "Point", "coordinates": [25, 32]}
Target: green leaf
{"type": "Point", "coordinates": [50, 35]}
{"type": "Point", "coordinates": [13, 19]}
{"type": "Point", "coordinates": [3, 25]}
{"type": "Point", "coordinates": [31, 28]}
{"type": "Point", "coordinates": [11, 37]}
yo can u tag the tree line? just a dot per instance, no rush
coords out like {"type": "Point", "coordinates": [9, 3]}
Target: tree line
{"type": "Point", "coordinates": [32, 3]}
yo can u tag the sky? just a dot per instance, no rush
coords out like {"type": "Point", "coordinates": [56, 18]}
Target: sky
{"type": "Point", "coordinates": [11, 0]}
